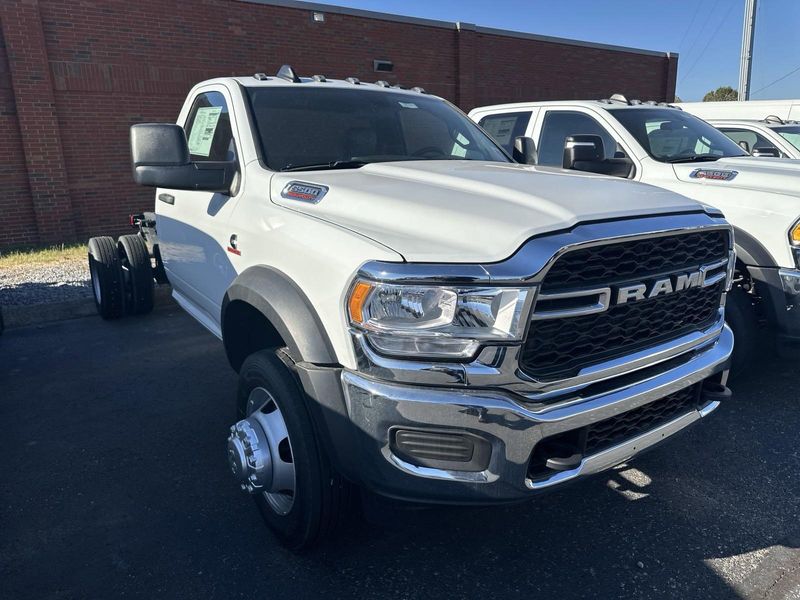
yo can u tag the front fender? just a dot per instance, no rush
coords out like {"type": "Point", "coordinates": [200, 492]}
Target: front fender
{"type": "Point", "coordinates": [287, 308]}
{"type": "Point", "coordinates": [750, 251]}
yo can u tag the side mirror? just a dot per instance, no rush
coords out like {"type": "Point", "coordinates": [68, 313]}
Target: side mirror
{"type": "Point", "coordinates": [744, 146]}
{"type": "Point", "coordinates": [525, 151]}
{"type": "Point", "coordinates": [582, 149]}
{"type": "Point", "coordinates": [586, 153]}
{"type": "Point", "coordinates": [765, 151]}
{"type": "Point", "coordinates": [160, 158]}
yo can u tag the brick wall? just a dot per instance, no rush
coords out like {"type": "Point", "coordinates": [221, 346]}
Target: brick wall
{"type": "Point", "coordinates": [74, 75]}
{"type": "Point", "coordinates": [17, 219]}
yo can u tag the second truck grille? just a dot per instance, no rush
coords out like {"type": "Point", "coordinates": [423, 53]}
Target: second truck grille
{"type": "Point", "coordinates": [560, 348]}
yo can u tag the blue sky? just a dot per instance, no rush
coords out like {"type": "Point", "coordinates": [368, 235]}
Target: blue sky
{"type": "Point", "coordinates": [706, 33]}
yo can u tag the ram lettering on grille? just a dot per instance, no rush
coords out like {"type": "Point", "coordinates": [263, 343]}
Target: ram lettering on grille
{"type": "Point", "coordinates": [603, 302]}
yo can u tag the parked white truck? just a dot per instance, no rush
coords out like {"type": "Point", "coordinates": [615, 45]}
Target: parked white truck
{"type": "Point", "coordinates": [770, 136]}
{"type": "Point", "coordinates": [410, 311]}
{"type": "Point", "coordinates": [669, 148]}
{"type": "Point", "coordinates": [761, 127]}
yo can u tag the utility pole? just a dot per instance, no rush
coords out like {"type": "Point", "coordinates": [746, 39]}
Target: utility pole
{"type": "Point", "coordinates": [746, 64]}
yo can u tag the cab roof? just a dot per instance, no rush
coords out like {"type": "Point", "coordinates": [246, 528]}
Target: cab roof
{"type": "Point", "coordinates": [616, 101]}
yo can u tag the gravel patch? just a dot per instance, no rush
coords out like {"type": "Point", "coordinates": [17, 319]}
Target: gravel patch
{"type": "Point", "coordinates": [45, 283]}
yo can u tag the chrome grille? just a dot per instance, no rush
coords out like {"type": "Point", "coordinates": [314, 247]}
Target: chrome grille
{"type": "Point", "coordinates": [558, 348]}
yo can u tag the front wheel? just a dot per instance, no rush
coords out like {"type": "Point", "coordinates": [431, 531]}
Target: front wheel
{"type": "Point", "coordinates": [276, 455]}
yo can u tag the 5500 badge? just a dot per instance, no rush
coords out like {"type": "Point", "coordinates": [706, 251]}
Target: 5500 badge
{"type": "Point", "coordinates": [305, 192]}
{"type": "Point", "coordinates": [715, 174]}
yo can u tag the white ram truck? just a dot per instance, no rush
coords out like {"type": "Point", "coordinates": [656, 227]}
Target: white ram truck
{"type": "Point", "coordinates": [666, 147]}
{"type": "Point", "coordinates": [411, 312]}
{"type": "Point", "coordinates": [768, 137]}
{"type": "Point", "coordinates": [761, 127]}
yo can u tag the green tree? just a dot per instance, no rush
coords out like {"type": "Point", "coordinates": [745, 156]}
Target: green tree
{"type": "Point", "coordinates": [723, 93]}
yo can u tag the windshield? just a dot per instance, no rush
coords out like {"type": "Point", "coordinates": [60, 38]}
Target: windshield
{"type": "Point", "coordinates": [304, 128]}
{"type": "Point", "coordinates": [790, 134]}
{"type": "Point", "coordinates": [670, 135]}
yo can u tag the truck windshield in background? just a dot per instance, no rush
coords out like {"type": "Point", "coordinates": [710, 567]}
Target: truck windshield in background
{"type": "Point", "coordinates": [342, 128]}
{"type": "Point", "coordinates": [790, 134]}
{"type": "Point", "coordinates": [673, 136]}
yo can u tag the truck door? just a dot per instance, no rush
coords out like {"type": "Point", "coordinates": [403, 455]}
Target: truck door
{"type": "Point", "coordinates": [193, 225]}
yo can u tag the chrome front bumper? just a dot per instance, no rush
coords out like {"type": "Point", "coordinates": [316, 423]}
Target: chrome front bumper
{"type": "Point", "coordinates": [375, 407]}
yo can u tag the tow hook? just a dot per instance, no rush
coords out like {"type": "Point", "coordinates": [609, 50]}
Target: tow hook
{"type": "Point", "coordinates": [712, 395]}
{"type": "Point", "coordinates": [715, 391]}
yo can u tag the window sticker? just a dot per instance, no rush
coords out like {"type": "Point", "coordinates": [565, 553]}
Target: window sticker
{"type": "Point", "coordinates": [458, 150]}
{"type": "Point", "coordinates": [460, 147]}
{"type": "Point", "coordinates": [501, 128]}
{"type": "Point", "coordinates": [203, 128]}
{"type": "Point", "coordinates": [408, 105]}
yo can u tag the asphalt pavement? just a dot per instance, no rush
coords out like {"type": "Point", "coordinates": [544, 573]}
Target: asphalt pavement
{"type": "Point", "coordinates": [114, 483]}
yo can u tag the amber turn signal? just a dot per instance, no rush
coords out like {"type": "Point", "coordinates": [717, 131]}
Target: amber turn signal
{"type": "Point", "coordinates": [355, 305]}
{"type": "Point", "coordinates": [794, 235]}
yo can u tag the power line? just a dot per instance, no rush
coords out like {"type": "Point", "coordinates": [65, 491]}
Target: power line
{"type": "Point", "coordinates": [708, 43]}
{"type": "Point", "coordinates": [792, 72]}
{"type": "Point", "coordinates": [702, 28]}
{"type": "Point", "coordinates": [689, 28]}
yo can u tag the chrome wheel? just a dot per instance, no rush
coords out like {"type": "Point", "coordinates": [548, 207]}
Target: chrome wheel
{"type": "Point", "coordinates": [260, 452]}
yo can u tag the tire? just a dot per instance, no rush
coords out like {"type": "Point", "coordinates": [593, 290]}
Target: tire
{"type": "Point", "coordinates": [322, 498]}
{"type": "Point", "coordinates": [106, 274]}
{"type": "Point", "coordinates": [741, 316]}
{"type": "Point", "coordinates": [137, 274]}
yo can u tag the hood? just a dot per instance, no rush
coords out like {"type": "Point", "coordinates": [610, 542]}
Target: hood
{"type": "Point", "coordinates": [469, 211]}
{"type": "Point", "coordinates": [777, 175]}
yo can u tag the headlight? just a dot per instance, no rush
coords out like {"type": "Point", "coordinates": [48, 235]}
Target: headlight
{"type": "Point", "coordinates": [433, 321]}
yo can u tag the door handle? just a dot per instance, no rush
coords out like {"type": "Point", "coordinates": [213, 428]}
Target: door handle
{"type": "Point", "coordinates": [168, 198]}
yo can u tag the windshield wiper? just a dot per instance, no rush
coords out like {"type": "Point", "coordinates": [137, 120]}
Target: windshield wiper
{"type": "Point", "coordinates": [336, 164]}
{"type": "Point", "coordinates": [695, 158]}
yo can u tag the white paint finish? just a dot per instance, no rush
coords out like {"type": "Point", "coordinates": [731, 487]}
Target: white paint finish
{"type": "Point", "coordinates": [468, 211]}
{"type": "Point", "coordinates": [319, 257]}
